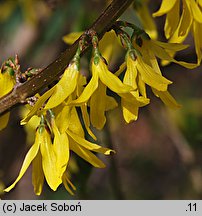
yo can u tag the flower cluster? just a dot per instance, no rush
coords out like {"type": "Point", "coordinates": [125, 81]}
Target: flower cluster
{"type": "Point", "coordinates": [178, 24]}
{"type": "Point", "coordinates": [60, 128]}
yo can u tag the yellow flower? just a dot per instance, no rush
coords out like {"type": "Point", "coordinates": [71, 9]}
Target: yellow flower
{"type": "Point", "coordinates": [178, 26]}
{"type": "Point", "coordinates": [150, 49]}
{"type": "Point", "coordinates": [148, 24]}
{"type": "Point", "coordinates": [7, 82]}
{"type": "Point", "coordinates": [72, 128]}
{"type": "Point", "coordinates": [58, 93]}
{"type": "Point", "coordinates": [96, 89]}
{"type": "Point", "coordinates": [43, 159]}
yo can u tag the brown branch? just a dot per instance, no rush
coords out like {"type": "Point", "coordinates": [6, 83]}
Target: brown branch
{"type": "Point", "coordinates": [55, 69]}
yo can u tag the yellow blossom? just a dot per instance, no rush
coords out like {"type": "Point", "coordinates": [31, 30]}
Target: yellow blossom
{"type": "Point", "coordinates": [71, 126]}
{"type": "Point", "coordinates": [148, 24]}
{"type": "Point", "coordinates": [58, 93]}
{"type": "Point", "coordinates": [150, 50]}
{"type": "Point", "coordinates": [178, 25]}
{"type": "Point", "coordinates": [42, 155]}
{"type": "Point", "coordinates": [96, 88]}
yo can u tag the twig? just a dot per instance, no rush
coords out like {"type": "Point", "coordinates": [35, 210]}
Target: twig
{"type": "Point", "coordinates": [56, 68]}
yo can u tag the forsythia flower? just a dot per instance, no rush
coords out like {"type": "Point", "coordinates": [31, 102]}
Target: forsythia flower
{"type": "Point", "coordinates": [96, 88]}
{"type": "Point", "coordinates": [7, 82]}
{"type": "Point", "coordinates": [43, 159]}
{"type": "Point", "coordinates": [150, 50]}
{"type": "Point", "coordinates": [148, 24]}
{"type": "Point", "coordinates": [58, 93]}
{"type": "Point", "coordinates": [50, 152]}
{"type": "Point", "coordinates": [177, 26]}
{"type": "Point", "coordinates": [139, 73]}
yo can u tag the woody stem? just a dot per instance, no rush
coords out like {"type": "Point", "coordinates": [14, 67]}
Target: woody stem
{"type": "Point", "coordinates": [53, 71]}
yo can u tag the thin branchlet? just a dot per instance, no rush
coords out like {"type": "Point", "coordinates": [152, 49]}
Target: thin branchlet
{"type": "Point", "coordinates": [53, 71]}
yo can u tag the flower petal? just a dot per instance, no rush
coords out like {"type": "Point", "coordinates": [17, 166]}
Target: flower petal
{"type": "Point", "coordinates": [172, 20]}
{"type": "Point", "coordinates": [86, 120]}
{"type": "Point", "coordinates": [130, 112]}
{"type": "Point", "coordinates": [37, 105]}
{"type": "Point", "coordinates": [151, 78]}
{"type": "Point", "coordinates": [97, 106]}
{"type": "Point", "coordinates": [64, 87]}
{"type": "Point", "coordinates": [61, 149]}
{"type": "Point", "coordinates": [86, 155]}
{"type": "Point", "coordinates": [49, 161]}
{"type": "Point", "coordinates": [167, 99]}
{"type": "Point", "coordinates": [27, 161]}
{"type": "Point", "coordinates": [68, 184]}
{"type": "Point", "coordinates": [109, 79]}
{"type": "Point", "coordinates": [75, 124]}
{"type": "Point", "coordinates": [37, 174]}
{"type": "Point", "coordinates": [165, 7]}
{"type": "Point", "coordinates": [62, 118]}
{"type": "Point", "coordinates": [88, 91]}
{"type": "Point", "coordinates": [7, 83]}
{"type": "Point", "coordinates": [89, 145]}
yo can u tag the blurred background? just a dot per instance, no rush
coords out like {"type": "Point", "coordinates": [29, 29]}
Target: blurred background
{"type": "Point", "coordinates": [158, 157]}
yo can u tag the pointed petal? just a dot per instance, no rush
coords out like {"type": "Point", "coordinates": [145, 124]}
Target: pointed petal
{"type": "Point", "coordinates": [167, 99]}
{"type": "Point", "coordinates": [61, 149]}
{"type": "Point", "coordinates": [141, 86]}
{"type": "Point", "coordinates": [109, 45]}
{"type": "Point", "coordinates": [88, 91]}
{"type": "Point", "coordinates": [130, 112]}
{"type": "Point", "coordinates": [49, 161]}
{"type": "Point", "coordinates": [75, 124]}
{"type": "Point", "coordinates": [170, 46]}
{"type": "Point", "coordinates": [172, 20]}
{"type": "Point", "coordinates": [197, 13]}
{"type": "Point", "coordinates": [64, 87]}
{"type": "Point", "coordinates": [185, 21]}
{"type": "Point", "coordinates": [27, 161]}
{"type": "Point", "coordinates": [131, 73]}
{"type": "Point", "coordinates": [37, 174]}
{"type": "Point", "coordinates": [7, 83]}
{"type": "Point", "coordinates": [97, 106]}
{"type": "Point", "coordinates": [197, 40]}
{"type": "Point", "coordinates": [167, 56]}
{"type": "Point", "coordinates": [151, 78]}
{"type": "Point", "coordinates": [109, 79]}
{"type": "Point", "coordinates": [86, 155]}
{"type": "Point", "coordinates": [86, 120]}
{"type": "Point", "coordinates": [89, 145]}
{"type": "Point", "coordinates": [68, 184]}
{"type": "Point", "coordinates": [37, 105]}
{"type": "Point", "coordinates": [62, 118]}
{"type": "Point", "coordinates": [165, 7]}
{"type": "Point", "coordinates": [147, 21]}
